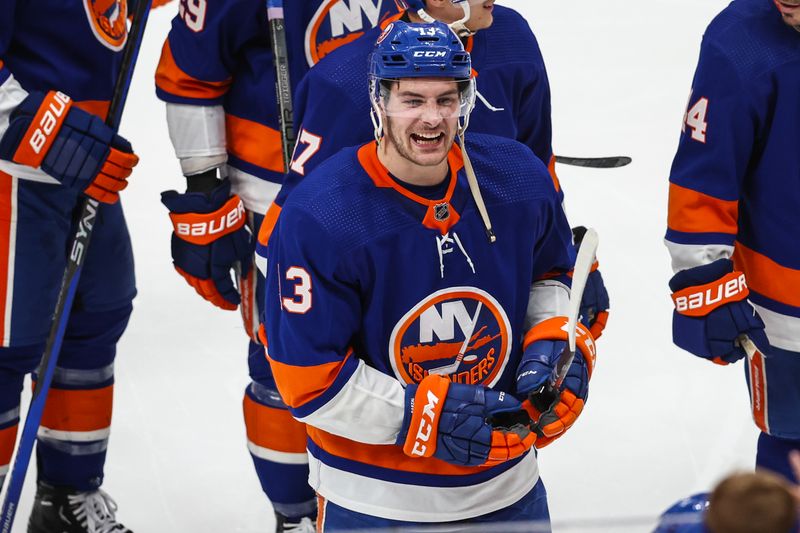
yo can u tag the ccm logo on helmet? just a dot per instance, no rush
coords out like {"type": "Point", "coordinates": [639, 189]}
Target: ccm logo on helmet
{"type": "Point", "coordinates": [425, 426]}
{"type": "Point", "coordinates": [698, 301]}
{"type": "Point", "coordinates": [48, 121]}
{"type": "Point", "coordinates": [430, 53]}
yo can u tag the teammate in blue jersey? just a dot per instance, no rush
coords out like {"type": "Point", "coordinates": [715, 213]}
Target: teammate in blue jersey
{"type": "Point", "coordinates": [415, 294]}
{"type": "Point", "coordinates": [513, 95]}
{"type": "Point", "coordinates": [217, 76]}
{"type": "Point", "coordinates": [55, 150]}
{"type": "Point", "coordinates": [733, 210]}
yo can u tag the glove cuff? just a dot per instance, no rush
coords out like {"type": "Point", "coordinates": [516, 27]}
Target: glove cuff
{"type": "Point", "coordinates": [556, 329]}
{"type": "Point", "coordinates": [700, 300]}
{"type": "Point", "coordinates": [425, 410]}
{"type": "Point", "coordinates": [205, 228]}
{"type": "Point", "coordinates": [43, 128]}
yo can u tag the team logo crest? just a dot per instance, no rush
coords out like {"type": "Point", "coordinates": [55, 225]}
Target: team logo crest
{"type": "Point", "coordinates": [108, 20]}
{"type": "Point", "coordinates": [338, 22]}
{"type": "Point", "coordinates": [461, 333]}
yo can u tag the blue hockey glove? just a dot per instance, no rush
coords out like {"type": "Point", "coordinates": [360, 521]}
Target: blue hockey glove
{"type": "Point", "coordinates": [466, 425]}
{"type": "Point", "coordinates": [210, 237]}
{"type": "Point", "coordinates": [75, 147]}
{"type": "Point", "coordinates": [542, 347]}
{"type": "Point", "coordinates": [712, 312]}
{"type": "Point", "coordinates": [595, 303]}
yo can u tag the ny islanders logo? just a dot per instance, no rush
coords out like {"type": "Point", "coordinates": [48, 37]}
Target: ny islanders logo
{"type": "Point", "coordinates": [338, 22]}
{"type": "Point", "coordinates": [461, 332]}
{"type": "Point", "coordinates": [108, 20]}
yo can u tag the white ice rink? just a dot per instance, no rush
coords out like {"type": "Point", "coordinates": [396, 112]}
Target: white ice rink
{"type": "Point", "coordinates": [660, 424]}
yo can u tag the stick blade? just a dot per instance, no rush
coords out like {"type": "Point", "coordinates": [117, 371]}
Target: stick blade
{"type": "Point", "coordinates": [595, 162]}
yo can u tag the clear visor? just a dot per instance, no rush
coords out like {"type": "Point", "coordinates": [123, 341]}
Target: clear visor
{"type": "Point", "coordinates": [423, 98]}
{"type": "Point", "coordinates": [470, 2]}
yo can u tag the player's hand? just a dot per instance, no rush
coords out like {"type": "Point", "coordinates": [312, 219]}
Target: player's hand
{"type": "Point", "coordinates": [210, 239]}
{"type": "Point", "coordinates": [75, 147]}
{"type": "Point", "coordinates": [542, 347]}
{"type": "Point", "coordinates": [712, 311]}
{"type": "Point", "coordinates": [595, 303]}
{"type": "Point", "coordinates": [466, 425]}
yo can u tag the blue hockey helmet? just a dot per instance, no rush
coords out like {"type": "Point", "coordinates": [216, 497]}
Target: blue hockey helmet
{"type": "Point", "coordinates": [407, 50]}
{"type": "Point", "coordinates": [425, 50]}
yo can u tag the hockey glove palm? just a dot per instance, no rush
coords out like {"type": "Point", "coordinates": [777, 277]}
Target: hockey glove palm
{"type": "Point", "coordinates": [466, 425]}
{"type": "Point", "coordinates": [69, 144]}
{"type": "Point", "coordinates": [712, 312]}
{"type": "Point", "coordinates": [595, 303]}
{"type": "Point", "coordinates": [542, 348]}
{"type": "Point", "coordinates": [209, 239]}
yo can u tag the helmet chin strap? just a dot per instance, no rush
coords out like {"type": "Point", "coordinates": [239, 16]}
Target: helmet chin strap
{"type": "Point", "coordinates": [459, 26]}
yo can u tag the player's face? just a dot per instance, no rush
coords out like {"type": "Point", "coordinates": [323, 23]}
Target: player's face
{"type": "Point", "coordinates": [790, 10]}
{"type": "Point", "coordinates": [480, 16]}
{"type": "Point", "coordinates": [421, 119]}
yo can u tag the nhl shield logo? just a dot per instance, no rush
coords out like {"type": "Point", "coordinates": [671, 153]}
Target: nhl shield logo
{"type": "Point", "coordinates": [461, 333]}
{"type": "Point", "coordinates": [108, 20]}
{"type": "Point", "coordinates": [441, 212]}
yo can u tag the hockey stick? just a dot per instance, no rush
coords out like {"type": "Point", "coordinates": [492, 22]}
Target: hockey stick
{"type": "Point", "coordinates": [546, 398]}
{"type": "Point", "coordinates": [69, 284]}
{"type": "Point", "coordinates": [451, 368]}
{"type": "Point", "coordinates": [283, 86]}
{"type": "Point", "coordinates": [758, 396]}
{"type": "Point", "coordinates": [595, 162]}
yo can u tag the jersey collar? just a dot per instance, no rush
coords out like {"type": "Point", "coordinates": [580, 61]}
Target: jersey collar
{"type": "Point", "coordinates": [439, 214]}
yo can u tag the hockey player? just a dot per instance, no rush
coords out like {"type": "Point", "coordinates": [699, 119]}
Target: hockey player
{"type": "Point", "coordinates": [733, 209]}
{"type": "Point", "coordinates": [398, 295]}
{"type": "Point", "coordinates": [217, 77]}
{"type": "Point", "coordinates": [55, 151]}
{"type": "Point", "coordinates": [513, 99]}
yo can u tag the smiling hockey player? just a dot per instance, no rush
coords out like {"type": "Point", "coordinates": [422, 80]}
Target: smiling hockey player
{"type": "Point", "coordinates": [399, 288]}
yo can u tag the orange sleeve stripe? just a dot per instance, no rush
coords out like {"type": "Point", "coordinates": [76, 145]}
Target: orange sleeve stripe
{"type": "Point", "coordinates": [78, 410]}
{"type": "Point", "coordinates": [95, 107]}
{"type": "Point", "coordinates": [273, 428]}
{"type": "Point", "coordinates": [388, 456]}
{"type": "Point", "coordinates": [767, 277]}
{"type": "Point", "coordinates": [299, 385]}
{"type": "Point", "coordinates": [551, 167]}
{"type": "Point", "coordinates": [170, 78]}
{"type": "Point", "coordinates": [255, 143]}
{"type": "Point", "coordinates": [694, 212]}
{"type": "Point", "coordinates": [270, 219]}
{"type": "Point", "coordinates": [8, 438]}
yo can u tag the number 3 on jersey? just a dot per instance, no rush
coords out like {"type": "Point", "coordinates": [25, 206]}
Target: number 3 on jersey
{"type": "Point", "coordinates": [307, 145]}
{"type": "Point", "coordinates": [301, 302]}
{"type": "Point", "coordinates": [695, 118]}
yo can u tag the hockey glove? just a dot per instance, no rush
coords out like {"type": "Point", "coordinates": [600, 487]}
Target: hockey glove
{"type": "Point", "coordinates": [712, 312]}
{"type": "Point", "coordinates": [542, 347]}
{"type": "Point", "coordinates": [75, 147]}
{"type": "Point", "coordinates": [466, 425]}
{"type": "Point", "coordinates": [209, 239]}
{"type": "Point", "coordinates": [595, 303]}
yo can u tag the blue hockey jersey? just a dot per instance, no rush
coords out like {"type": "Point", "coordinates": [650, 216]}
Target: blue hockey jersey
{"type": "Point", "coordinates": [217, 76]}
{"type": "Point", "coordinates": [735, 180]}
{"type": "Point", "coordinates": [370, 287]}
{"type": "Point", "coordinates": [332, 102]}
